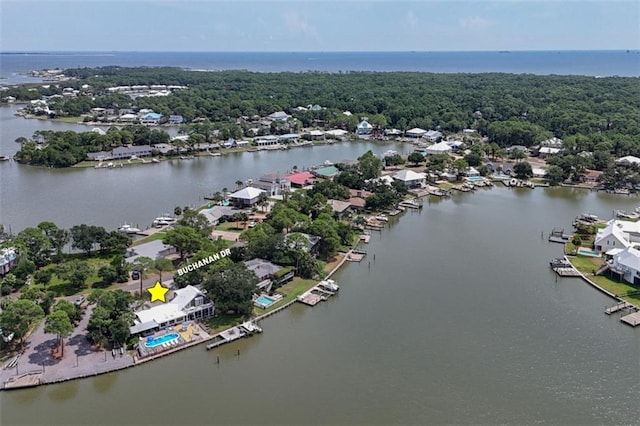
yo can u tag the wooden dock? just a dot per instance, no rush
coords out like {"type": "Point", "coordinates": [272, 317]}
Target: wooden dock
{"type": "Point", "coordinates": [617, 307]}
{"type": "Point", "coordinates": [631, 319]}
{"type": "Point", "coordinates": [365, 238]}
{"type": "Point", "coordinates": [567, 272]}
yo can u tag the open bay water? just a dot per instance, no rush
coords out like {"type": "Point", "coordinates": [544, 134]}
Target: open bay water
{"type": "Point", "coordinates": [592, 63]}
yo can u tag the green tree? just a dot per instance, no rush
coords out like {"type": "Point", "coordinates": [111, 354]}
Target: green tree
{"type": "Point", "coordinates": [19, 316]}
{"type": "Point", "coordinates": [108, 274]}
{"type": "Point", "coordinates": [415, 158]}
{"type": "Point", "coordinates": [74, 312]}
{"type": "Point", "coordinates": [184, 239]}
{"type": "Point", "coordinates": [36, 245]}
{"type": "Point", "coordinates": [196, 221]}
{"type": "Point", "coordinates": [75, 271]}
{"type": "Point", "coordinates": [369, 165]}
{"type": "Point", "coordinates": [161, 265]}
{"type": "Point", "coordinates": [58, 237]}
{"type": "Point", "coordinates": [523, 170]}
{"type": "Point", "coordinates": [86, 236]}
{"type": "Point", "coordinates": [554, 175]}
{"type": "Point", "coordinates": [58, 323]}
{"type": "Point", "coordinates": [232, 289]}
{"type": "Point", "coordinates": [43, 276]}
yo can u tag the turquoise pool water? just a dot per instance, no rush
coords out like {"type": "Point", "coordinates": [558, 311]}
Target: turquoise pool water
{"type": "Point", "coordinates": [586, 252]}
{"type": "Point", "coordinates": [265, 301]}
{"type": "Point", "coordinates": [152, 342]}
{"type": "Point", "coordinates": [475, 178]}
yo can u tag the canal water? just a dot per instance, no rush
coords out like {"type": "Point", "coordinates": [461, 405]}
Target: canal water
{"type": "Point", "coordinates": [453, 317]}
{"type": "Point", "coordinates": [136, 194]}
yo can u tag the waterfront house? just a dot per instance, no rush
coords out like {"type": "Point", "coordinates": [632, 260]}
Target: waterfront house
{"type": "Point", "coordinates": [128, 118]}
{"type": "Point", "coordinates": [364, 128]}
{"type": "Point", "coordinates": [611, 237]}
{"type": "Point", "coordinates": [99, 156]}
{"type": "Point", "coordinates": [247, 197]}
{"type": "Point", "coordinates": [410, 178]}
{"type": "Point", "coordinates": [123, 152]}
{"type": "Point", "coordinates": [591, 176]}
{"type": "Point", "coordinates": [8, 260]}
{"type": "Point", "coordinates": [216, 213]}
{"type": "Point", "coordinates": [153, 250]}
{"type": "Point", "coordinates": [438, 148]}
{"type": "Point", "coordinates": [288, 138]}
{"type": "Point", "coordinates": [340, 208]}
{"type": "Point", "coordinates": [176, 119]}
{"type": "Point", "coordinates": [627, 264]}
{"type": "Point", "coordinates": [266, 140]}
{"type": "Point", "coordinates": [187, 304]}
{"type": "Point", "coordinates": [415, 133]}
{"type": "Point", "coordinates": [151, 119]}
{"type": "Point", "coordinates": [273, 184]}
{"type": "Point", "coordinates": [301, 179]}
{"type": "Point", "coordinates": [267, 273]}
{"type": "Point", "coordinates": [358, 198]}
{"type": "Point", "coordinates": [313, 241]}
{"type": "Point", "coordinates": [432, 135]}
{"type": "Point", "coordinates": [392, 132]}
{"type": "Point", "coordinates": [336, 134]}
{"type": "Point", "coordinates": [632, 229]}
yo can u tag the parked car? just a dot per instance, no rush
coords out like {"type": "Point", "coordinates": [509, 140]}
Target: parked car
{"type": "Point", "coordinates": [80, 300]}
{"type": "Point", "coordinates": [135, 275]}
{"type": "Point", "coordinates": [251, 224]}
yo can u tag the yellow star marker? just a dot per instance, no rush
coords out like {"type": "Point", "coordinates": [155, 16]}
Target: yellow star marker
{"type": "Point", "coordinates": [158, 292]}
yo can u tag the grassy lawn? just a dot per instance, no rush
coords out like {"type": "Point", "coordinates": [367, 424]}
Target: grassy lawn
{"type": "Point", "coordinates": [68, 119]}
{"type": "Point", "coordinates": [223, 322]}
{"type": "Point", "coordinates": [62, 288]}
{"type": "Point", "coordinates": [230, 226]}
{"type": "Point", "coordinates": [154, 237]}
{"type": "Point", "coordinates": [587, 265]}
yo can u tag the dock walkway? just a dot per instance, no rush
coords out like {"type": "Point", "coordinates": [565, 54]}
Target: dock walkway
{"type": "Point", "coordinates": [631, 319]}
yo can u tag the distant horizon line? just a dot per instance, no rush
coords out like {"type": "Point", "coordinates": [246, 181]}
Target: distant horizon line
{"type": "Point", "coordinates": [44, 52]}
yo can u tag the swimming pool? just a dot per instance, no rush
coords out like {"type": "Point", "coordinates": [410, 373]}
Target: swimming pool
{"type": "Point", "coordinates": [264, 301]}
{"type": "Point", "coordinates": [587, 252]}
{"type": "Point", "coordinates": [152, 342]}
{"type": "Point", "coordinates": [475, 178]}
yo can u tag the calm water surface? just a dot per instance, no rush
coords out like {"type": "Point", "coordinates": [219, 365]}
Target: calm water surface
{"type": "Point", "coordinates": [457, 320]}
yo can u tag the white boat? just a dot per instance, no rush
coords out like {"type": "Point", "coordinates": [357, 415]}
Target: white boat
{"type": "Point", "coordinates": [128, 229]}
{"type": "Point", "coordinates": [4, 158]}
{"type": "Point", "coordinates": [382, 218]}
{"type": "Point", "coordinates": [329, 285]}
{"type": "Point", "coordinates": [215, 154]}
{"type": "Point", "coordinates": [163, 220]}
{"type": "Point", "coordinates": [155, 160]}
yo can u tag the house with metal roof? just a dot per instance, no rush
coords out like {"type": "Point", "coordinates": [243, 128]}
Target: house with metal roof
{"type": "Point", "coordinates": [364, 128]}
{"type": "Point", "coordinates": [247, 197]}
{"type": "Point", "coordinates": [187, 304]}
{"type": "Point", "coordinates": [410, 178]}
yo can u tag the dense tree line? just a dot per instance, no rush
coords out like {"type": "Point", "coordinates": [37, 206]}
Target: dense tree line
{"type": "Point", "coordinates": [562, 105]}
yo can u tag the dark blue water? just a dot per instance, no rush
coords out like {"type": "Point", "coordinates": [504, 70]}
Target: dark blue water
{"type": "Point", "coordinates": [592, 63]}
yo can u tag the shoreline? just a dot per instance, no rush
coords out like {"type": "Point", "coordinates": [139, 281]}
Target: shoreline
{"type": "Point", "coordinates": [140, 361]}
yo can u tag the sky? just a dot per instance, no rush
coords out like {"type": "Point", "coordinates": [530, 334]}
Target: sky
{"type": "Point", "coordinates": [328, 25]}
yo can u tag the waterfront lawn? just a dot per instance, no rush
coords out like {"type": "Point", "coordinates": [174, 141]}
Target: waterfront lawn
{"type": "Point", "coordinates": [223, 322]}
{"type": "Point", "coordinates": [157, 236]}
{"type": "Point", "coordinates": [230, 226]}
{"type": "Point", "coordinates": [588, 265]}
{"type": "Point", "coordinates": [62, 287]}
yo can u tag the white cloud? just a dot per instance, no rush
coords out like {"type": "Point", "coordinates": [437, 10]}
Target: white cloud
{"type": "Point", "coordinates": [300, 25]}
{"type": "Point", "coordinates": [474, 23]}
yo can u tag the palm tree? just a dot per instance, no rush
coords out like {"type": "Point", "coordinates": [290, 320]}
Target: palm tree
{"type": "Point", "coordinates": [239, 184]}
